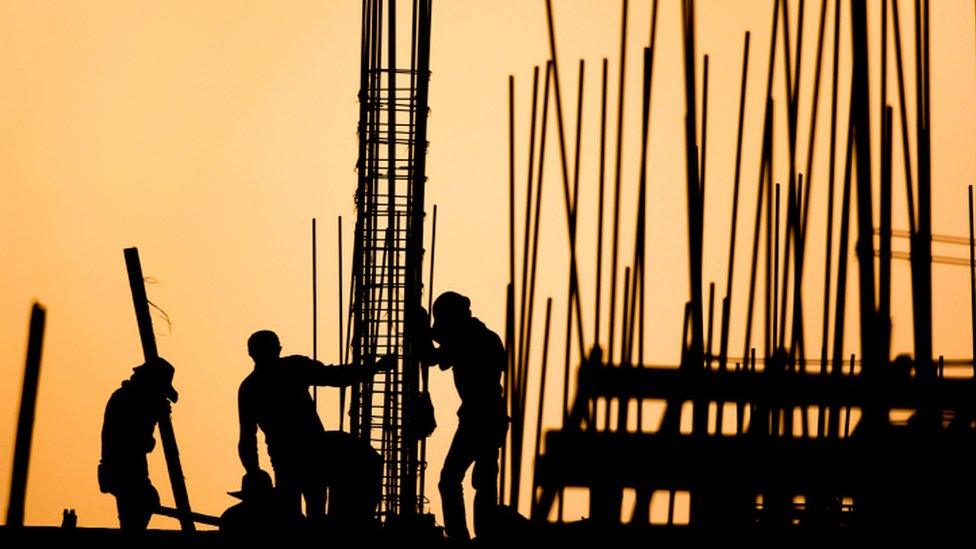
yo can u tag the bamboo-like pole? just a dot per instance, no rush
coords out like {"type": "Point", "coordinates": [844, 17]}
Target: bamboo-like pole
{"type": "Point", "coordinates": [25, 418]}
{"type": "Point", "coordinates": [150, 353]}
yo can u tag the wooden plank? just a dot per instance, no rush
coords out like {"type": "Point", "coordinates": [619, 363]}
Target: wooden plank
{"type": "Point", "coordinates": [141, 304]}
{"type": "Point", "coordinates": [25, 420]}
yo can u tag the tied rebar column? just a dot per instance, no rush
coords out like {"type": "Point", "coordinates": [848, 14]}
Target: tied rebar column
{"type": "Point", "coordinates": [388, 248]}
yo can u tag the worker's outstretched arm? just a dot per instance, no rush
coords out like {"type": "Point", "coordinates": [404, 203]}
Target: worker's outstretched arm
{"type": "Point", "coordinates": [247, 446]}
{"type": "Point", "coordinates": [314, 372]}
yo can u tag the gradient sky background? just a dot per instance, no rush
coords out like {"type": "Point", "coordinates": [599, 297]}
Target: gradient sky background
{"type": "Point", "coordinates": [209, 134]}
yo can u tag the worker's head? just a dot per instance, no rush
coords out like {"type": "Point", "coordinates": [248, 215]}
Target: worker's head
{"type": "Point", "coordinates": [156, 376]}
{"type": "Point", "coordinates": [255, 486]}
{"type": "Point", "coordinates": [450, 310]}
{"type": "Point", "coordinates": [263, 346]}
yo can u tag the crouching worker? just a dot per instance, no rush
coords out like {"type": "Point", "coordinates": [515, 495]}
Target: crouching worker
{"type": "Point", "coordinates": [259, 515]}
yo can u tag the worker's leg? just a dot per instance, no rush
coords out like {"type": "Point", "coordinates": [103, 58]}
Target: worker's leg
{"type": "Point", "coordinates": [485, 482]}
{"type": "Point", "coordinates": [314, 492]}
{"type": "Point", "coordinates": [136, 503]}
{"type": "Point", "coordinates": [459, 458]}
{"type": "Point", "coordinates": [288, 491]}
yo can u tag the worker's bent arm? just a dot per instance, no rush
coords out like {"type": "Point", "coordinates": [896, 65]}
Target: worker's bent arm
{"type": "Point", "coordinates": [437, 356]}
{"type": "Point", "coordinates": [247, 446]}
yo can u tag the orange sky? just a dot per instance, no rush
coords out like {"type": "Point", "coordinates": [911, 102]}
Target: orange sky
{"type": "Point", "coordinates": [208, 134]}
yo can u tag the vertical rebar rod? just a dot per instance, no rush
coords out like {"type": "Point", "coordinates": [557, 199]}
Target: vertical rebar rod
{"type": "Point", "coordinates": [598, 292]}
{"type": "Point", "coordinates": [884, 265]}
{"type": "Point", "coordinates": [825, 333]}
{"type": "Point", "coordinates": [711, 324]}
{"type": "Point", "coordinates": [519, 327]}
{"type": "Point", "coordinates": [808, 172]}
{"type": "Point", "coordinates": [342, 390]}
{"type": "Point", "coordinates": [921, 249]}
{"type": "Point", "coordinates": [424, 370]}
{"type": "Point", "coordinates": [756, 235]}
{"type": "Point", "coordinates": [542, 399]}
{"type": "Point", "coordinates": [694, 203]}
{"type": "Point", "coordinates": [727, 300]}
{"type": "Point", "coordinates": [972, 276]}
{"type": "Point", "coordinates": [765, 166]}
{"type": "Point", "coordinates": [525, 348]}
{"type": "Point", "coordinates": [507, 382]}
{"type": "Point", "coordinates": [530, 305]}
{"type": "Point", "coordinates": [837, 365]}
{"type": "Point", "coordinates": [616, 180]}
{"type": "Point", "coordinates": [509, 305]}
{"type": "Point", "coordinates": [642, 284]}
{"type": "Point", "coordinates": [574, 200]}
{"type": "Point", "coordinates": [903, 117]}
{"type": "Point", "coordinates": [860, 118]}
{"type": "Point", "coordinates": [511, 179]}
{"type": "Point", "coordinates": [704, 131]}
{"type": "Point", "coordinates": [776, 312]}
{"type": "Point", "coordinates": [315, 311]}
{"type": "Point", "coordinates": [573, 289]}
{"type": "Point", "coordinates": [567, 191]}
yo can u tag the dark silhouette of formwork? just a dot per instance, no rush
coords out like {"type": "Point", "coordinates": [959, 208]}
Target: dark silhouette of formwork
{"type": "Point", "coordinates": [856, 442]}
{"type": "Point", "coordinates": [388, 247]}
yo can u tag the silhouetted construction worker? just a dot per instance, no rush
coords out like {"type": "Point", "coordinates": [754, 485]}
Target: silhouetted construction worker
{"type": "Point", "coordinates": [275, 398]}
{"type": "Point", "coordinates": [477, 357]}
{"type": "Point", "coordinates": [127, 437]}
